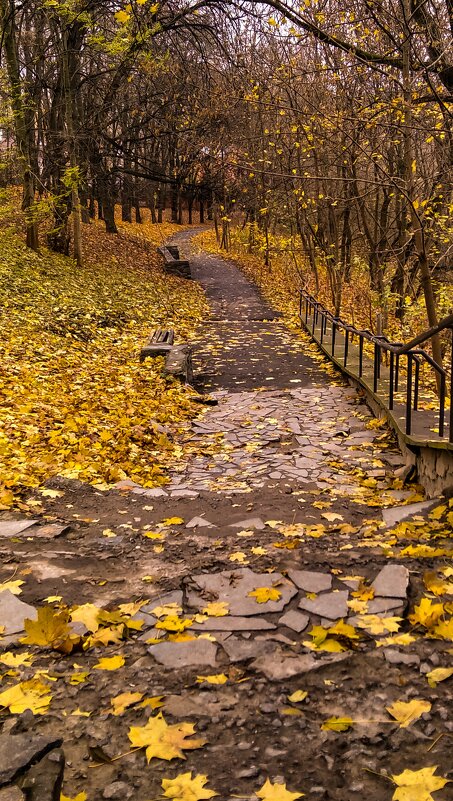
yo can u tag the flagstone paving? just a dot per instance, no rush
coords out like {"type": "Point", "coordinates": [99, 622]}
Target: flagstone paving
{"type": "Point", "coordinates": [263, 567]}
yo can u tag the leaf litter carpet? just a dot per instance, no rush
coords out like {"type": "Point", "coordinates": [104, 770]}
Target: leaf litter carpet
{"type": "Point", "coordinates": [273, 622]}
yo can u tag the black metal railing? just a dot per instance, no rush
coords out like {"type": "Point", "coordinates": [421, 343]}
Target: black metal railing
{"type": "Point", "coordinates": [327, 329]}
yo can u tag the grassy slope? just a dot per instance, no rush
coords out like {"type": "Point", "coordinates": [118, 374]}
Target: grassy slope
{"type": "Point", "coordinates": [74, 399]}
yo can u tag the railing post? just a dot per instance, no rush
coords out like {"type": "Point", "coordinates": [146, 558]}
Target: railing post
{"type": "Point", "coordinates": [306, 310]}
{"type": "Point", "coordinates": [376, 367]}
{"type": "Point", "coordinates": [360, 355]}
{"type": "Point", "coordinates": [409, 395]}
{"type": "Point", "coordinates": [397, 371]}
{"type": "Point", "coordinates": [334, 330]}
{"type": "Point", "coordinates": [322, 327]}
{"type": "Point", "coordinates": [450, 436]}
{"type": "Point", "coordinates": [346, 344]}
{"type": "Point", "coordinates": [417, 375]}
{"type": "Point", "coordinates": [313, 319]}
{"type": "Point", "coordinates": [442, 405]}
{"type": "Point", "coordinates": [392, 378]}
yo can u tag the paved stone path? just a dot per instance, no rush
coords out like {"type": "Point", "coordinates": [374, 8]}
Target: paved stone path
{"type": "Point", "coordinates": [273, 592]}
{"type": "Point", "coordinates": [280, 418]}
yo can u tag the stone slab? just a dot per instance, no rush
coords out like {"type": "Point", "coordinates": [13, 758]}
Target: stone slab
{"type": "Point", "coordinates": [252, 522]}
{"type": "Point", "coordinates": [310, 580]}
{"type": "Point", "coordinates": [239, 650]}
{"type": "Point", "coordinates": [294, 620]}
{"type": "Point", "coordinates": [185, 654]}
{"type": "Point", "coordinates": [50, 531]}
{"type": "Point", "coordinates": [395, 514]}
{"type": "Point", "coordinates": [199, 522]}
{"type": "Point", "coordinates": [391, 582]}
{"type": "Point", "coordinates": [279, 666]}
{"type": "Point", "coordinates": [379, 606]}
{"type": "Point", "coordinates": [332, 605]}
{"type": "Point", "coordinates": [233, 586]}
{"type": "Point", "coordinates": [11, 528]}
{"type": "Point", "coordinates": [13, 612]}
{"type": "Point", "coordinates": [19, 751]}
{"type": "Point", "coordinates": [229, 623]}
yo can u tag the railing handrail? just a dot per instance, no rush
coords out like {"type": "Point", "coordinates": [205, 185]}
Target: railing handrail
{"type": "Point", "coordinates": [394, 347]}
{"type": "Point", "coordinates": [415, 355]}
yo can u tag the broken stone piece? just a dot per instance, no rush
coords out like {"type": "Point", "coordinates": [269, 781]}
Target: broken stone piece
{"type": "Point", "coordinates": [278, 666]}
{"type": "Point", "coordinates": [310, 580]}
{"type": "Point", "coordinates": [380, 606]}
{"type": "Point", "coordinates": [294, 620]}
{"type": "Point", "coordinates": [233, 587]}
{"type": "Point", "coordinates": [239, 650]}
{"type": "Point", "coordinates": [391, 582]}
{"type": "Point", "coordinates": [184, 654]}
{"type": "Point", "coordinates": [332, 605]}
{"type": "Point", "coordinates": [11, 528]}
{"type": "Point", "coordinates": [13, 612]}
{"type": "Point", "coordinates": [19, 751]}
{"type": "Point", "coordinates": [253, 522]}
{"type": "Point", "coordinates": [199, 522]}
{"type": "Point", "coordinates": [11, 793]}
{"type": "Point", "coordinates": [50, 531]}
{"type": "Point", "coordinates": [395, 514]}
{"type": "Point", "coordinates": [43, 781]}
{"type": "Point", "coordinates": [229, 623]}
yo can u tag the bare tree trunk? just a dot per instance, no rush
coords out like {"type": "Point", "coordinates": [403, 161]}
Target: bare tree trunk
{"type": "Point", "coordinates": [410, 167]}
{"type": "Point", "coordinates": [22, 131]}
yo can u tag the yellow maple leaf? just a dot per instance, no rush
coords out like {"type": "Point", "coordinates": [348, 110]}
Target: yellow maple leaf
{"type": "Point", "coordinates": [337, 724]}
{"type": "Point", "coordinates": [443, 630]}
{"type": "Point", "coordinates": [110, 663]}
{"type": "Point", "coordinates": [342, 629]}
{"type": "Point", "coordinates": [13, 586]}
{"type": "Point", "coordinates": [276, 792]}
{"type": "Point", "coordinates": [50, 629]}
{"type": "Point", "coordinates": [406, 712]}
{"type": "Point", "coordinates": [397, 639]}
{"type": "Point", "coordinates": [164, 741]}
{"type": "Point", "coordinates": [438, 674]}
{"type": "Point", "coordinates": [217, 678]}
{"type": "Point", "coordinates": [172, 521]}
{"type": "Point", "coordinates": [174, 623]}
{"type": "Point", "coordinates": [238, 556]}
{"type": "Point", "coordinates": [258, 551]}
{"type": "Point", "coordinates": [121, 702]}
{"type": "Point", "coordinates": [264, 594]}
{"type": "Point", "coordinates": [297, 696]}
{"type": "Point", "coordinates": [184, 788]}
{"type": "Point", "coordinates": [15, 660]}
{"type": "Point", "coordinates": [167, 610]}
{"type": "Point", "coordinates": [331, 516]}
{"type": "Point", "coordinates": [88, 614]}
{"type": "Point", "coordinates": [32, 694]}
{"type": "Point", "coordinates": [436, 585]}
{"type": "Point", "coordinates": [50, 493]}
{"type": "Point", "coordinates": [379, 625]}
{"type": "Point", "coordinates": [79, 678]}
{"type": "Point", "coordinates": [154, 702]}
{"type": "Point", "coordinates": [427, 613]}
{"type": "Point", "coordinates": [122, 17]}
{"type": "Point", "coordinates": [79, 797]}
{"type": "Point", "coordinates": [417, 785]}
{"type": "Point", "coordinates": [216, 609]}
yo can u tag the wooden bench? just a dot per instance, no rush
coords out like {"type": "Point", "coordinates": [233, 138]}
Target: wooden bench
{"type": "Point", "coordinates": [178, 358]}
{"type": "Point", "coordinates": [173, 265]}
{"type": "Point", "coordinates": [159, 343]}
